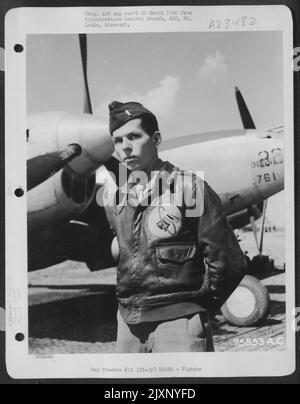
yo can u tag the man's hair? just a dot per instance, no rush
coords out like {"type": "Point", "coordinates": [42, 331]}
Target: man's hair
{"type": "Point", "coordinates": [149, 124]}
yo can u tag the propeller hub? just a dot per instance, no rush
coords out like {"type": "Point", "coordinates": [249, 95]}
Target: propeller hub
{"type": "Point", "coordinates": [91, 135]}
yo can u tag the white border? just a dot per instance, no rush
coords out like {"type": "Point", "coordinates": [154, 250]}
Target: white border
{"type": "Point", "coordinates": [23, 21]}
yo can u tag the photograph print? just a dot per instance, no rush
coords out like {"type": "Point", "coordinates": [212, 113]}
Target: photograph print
{"type": "Point", "coordinates": [156, 203]}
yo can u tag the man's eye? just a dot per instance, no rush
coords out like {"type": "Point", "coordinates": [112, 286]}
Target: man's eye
{"type": "Point", "coordinates": [118, 141]}
{"type": "Point", "coordinates": [134, 137]}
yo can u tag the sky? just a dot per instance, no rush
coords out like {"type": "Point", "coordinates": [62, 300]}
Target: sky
{"type": "Point", "coordinates": [186, 79]}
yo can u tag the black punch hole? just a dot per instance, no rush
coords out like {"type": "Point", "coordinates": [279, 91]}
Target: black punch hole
{"type": "Point", "coordinates": [20, 337]}
{"type": "Point", "coordinates": [19, 192]}
{"type": "Point", "coordinates": [19, 48]}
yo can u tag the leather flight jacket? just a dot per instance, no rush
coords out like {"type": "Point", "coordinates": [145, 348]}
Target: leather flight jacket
{"type": "Point", "coordinates": [174, 263]}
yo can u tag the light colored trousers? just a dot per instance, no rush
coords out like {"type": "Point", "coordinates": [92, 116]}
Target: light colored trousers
{"type": "Point", "coordinates": [193, 334]}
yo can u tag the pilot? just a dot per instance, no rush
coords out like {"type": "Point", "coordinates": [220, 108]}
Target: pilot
{"type": "Point", "coordinates": [179, 258]}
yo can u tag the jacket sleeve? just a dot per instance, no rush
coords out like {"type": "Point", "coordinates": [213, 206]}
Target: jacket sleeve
{"type": "Point", "coordinates": [224, 261]}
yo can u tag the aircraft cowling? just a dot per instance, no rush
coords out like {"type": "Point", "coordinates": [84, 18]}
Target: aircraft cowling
{"type": "Point", "coordinates": [50, 202]}
{"type": "Point", "coordinates": [54, 131]}
{"type": "Point", "coordinates": [72, 189]}
{"type": "Point", "coordinates": [92, 135]}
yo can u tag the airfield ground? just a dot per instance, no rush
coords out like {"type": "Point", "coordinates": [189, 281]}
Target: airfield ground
{"type": "Point", "coordinates": [72, 310]}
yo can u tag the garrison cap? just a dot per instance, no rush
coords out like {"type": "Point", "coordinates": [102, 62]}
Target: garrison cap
{"type": "Point", "coordinates": [121, 113]}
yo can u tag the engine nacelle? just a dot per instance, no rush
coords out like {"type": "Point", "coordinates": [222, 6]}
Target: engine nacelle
{"type": "Point", "coordinates": [71, 190]}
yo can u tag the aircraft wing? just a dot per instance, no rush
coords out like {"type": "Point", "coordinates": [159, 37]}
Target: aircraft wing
{"type": "Point", "coordinates": [177, 142]}
{"type": "Point", "coordinates": [71, 275]}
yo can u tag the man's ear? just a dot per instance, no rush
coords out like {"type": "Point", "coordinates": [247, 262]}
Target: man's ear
{"type": "Point", "coordinates": [156, 139]}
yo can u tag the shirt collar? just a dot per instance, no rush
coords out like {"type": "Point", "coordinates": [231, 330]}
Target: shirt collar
{"type": "Point", "coordinates": [132, 181]}
{"type": "Point", "coordinates": [144, 192]}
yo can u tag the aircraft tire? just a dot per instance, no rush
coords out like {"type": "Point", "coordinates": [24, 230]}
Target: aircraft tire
{"type": "Point", "coordinates": [249, 305]}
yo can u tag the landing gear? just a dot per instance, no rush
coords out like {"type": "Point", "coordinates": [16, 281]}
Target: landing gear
{"type": "Point", "coordinates": [248, 305]}
{"type": "Point", "coordinates": [261, 264]}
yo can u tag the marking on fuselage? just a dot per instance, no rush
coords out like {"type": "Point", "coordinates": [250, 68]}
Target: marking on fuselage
{"type": "Point", "coordinates": [268, 158]}
{"type": "Point", "coordinates": [267, 177]}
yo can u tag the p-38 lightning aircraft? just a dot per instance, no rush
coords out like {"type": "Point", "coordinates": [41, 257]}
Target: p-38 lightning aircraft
{"type": "Point", "coordinates": [65, 152]}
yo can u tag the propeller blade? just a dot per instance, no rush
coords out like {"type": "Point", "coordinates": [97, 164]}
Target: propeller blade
{"type": "Point", "coordinates": [41, 168]}
{"type": "Point", "coordinates": [83, 50]}
{"type": "Point", "coordinates": [244, 111]}
{"type": "Point", "coordinates": [112, 164]}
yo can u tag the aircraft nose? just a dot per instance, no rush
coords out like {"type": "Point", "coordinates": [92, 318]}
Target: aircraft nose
{"type": "Point", "coordinates": [92, 135]}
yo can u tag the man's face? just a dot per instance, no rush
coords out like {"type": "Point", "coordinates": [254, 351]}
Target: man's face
{"type": "Point", "coordinates": [136, 149]}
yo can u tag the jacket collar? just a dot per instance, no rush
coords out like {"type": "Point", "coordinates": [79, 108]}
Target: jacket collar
{"type": "Point", "coordinates": [144, 193]}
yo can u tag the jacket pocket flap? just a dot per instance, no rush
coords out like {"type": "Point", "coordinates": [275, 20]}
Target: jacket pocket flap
{"type": "Point", "coordinates": [178, 253]}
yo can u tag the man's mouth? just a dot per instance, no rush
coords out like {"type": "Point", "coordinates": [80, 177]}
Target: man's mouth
{"type": "Point", "coordinates": [129, 159]}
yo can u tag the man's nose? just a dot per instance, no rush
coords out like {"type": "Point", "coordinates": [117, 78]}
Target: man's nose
{"type": "Point", "coordinates": [126, 146]}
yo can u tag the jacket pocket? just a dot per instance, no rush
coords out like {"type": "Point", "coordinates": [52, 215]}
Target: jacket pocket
{"type": "Point", "coordinates": [178, 268]}
{"type": "Point", "coordinates": [176, 253]}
